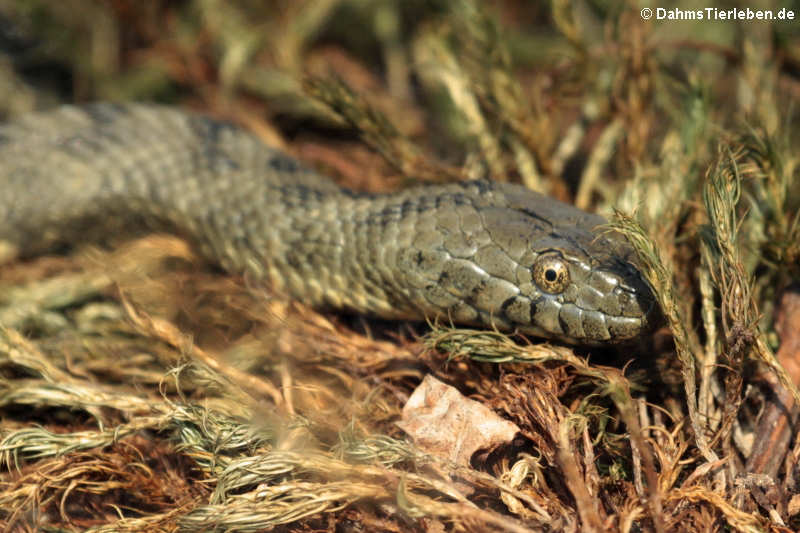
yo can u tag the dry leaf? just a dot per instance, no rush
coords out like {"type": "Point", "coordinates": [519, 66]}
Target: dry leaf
{"type": "Point", "coordinates": [794, 505]}
{"type": "Point", "coordinates": [443, 422]}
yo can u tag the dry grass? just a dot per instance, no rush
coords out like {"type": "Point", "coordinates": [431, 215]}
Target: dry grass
{"type": "Point", "coordinates": [142, 390]}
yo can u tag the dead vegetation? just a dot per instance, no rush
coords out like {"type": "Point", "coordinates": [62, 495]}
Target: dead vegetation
{"type": "Point", "coordinates": [143, 390]}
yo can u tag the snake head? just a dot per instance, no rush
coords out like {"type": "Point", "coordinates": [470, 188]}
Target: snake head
{"type": "Point", "coordinates": [585, 289]}
{"type": "Point", "coordinates": [516, 260]}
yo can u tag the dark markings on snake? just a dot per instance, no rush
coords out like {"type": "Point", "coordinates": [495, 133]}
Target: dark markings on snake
{"type": "Point", "coordinates": [210, 134]}
{"type": "Point", "coordinates": [210, 130]}
{"type": "Point", "coordinates": [481, 186]}
{"type": "Point", "coordinates": [292, 260]}
{"type": "Point", "coordinates": [505, 305]}
{"type": "Point", "coordinates": [476, 290]}
{"type": "Point", "coordinates": [547, 223]}
{"type": "Point", "coordinates": [105, 114]}
{"type": "Point", "coordinates": [533, 307]}
{"type": "Point", "coordinates": [283, 163]}
{"type": "Point", "coordinates": [394, 212]}
{"type": "Point", "coordinates": [298, 195]}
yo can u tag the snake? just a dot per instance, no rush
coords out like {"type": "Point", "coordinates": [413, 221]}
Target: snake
{"type": "Point", "coordinates": [475, 253]}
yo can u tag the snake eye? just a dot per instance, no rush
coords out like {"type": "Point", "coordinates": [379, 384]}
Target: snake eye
{"type": "Point", "coordinates": [550, 273]}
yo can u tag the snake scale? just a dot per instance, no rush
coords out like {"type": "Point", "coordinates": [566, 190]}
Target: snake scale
{"type": "Point", "coordinates": [474, 253]}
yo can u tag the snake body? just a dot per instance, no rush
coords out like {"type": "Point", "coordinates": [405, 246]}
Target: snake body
{"type": "Point", "coordinates": [476, 252]}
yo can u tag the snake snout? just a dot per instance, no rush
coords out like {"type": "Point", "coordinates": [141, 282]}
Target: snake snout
{"type": "Point", "coordinates": [630, 307]}
{"type": "Point", "coordinates": [608, 302]}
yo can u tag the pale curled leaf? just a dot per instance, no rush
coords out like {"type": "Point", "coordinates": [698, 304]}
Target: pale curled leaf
{"type": "Point", "coordinates": [445, 423]}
